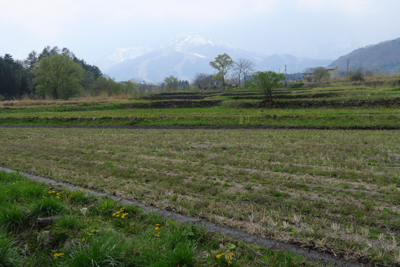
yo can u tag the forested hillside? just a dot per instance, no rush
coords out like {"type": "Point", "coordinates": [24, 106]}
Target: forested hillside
{"type": "Point", "coordinates": [383, 56]}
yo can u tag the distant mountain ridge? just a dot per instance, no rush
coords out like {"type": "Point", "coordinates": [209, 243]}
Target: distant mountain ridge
{"type": "Point", "coordinates": [384, 56]}
{"type": "Point", "coordinates": [185, 55]}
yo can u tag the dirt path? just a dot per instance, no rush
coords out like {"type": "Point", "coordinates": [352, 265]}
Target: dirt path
{"type": "Point", "coordinates": [309, 254]}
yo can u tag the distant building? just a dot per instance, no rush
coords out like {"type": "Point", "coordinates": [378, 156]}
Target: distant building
{"type": "Point", "coordinates": [333, 71]}
{"type": "Point", "coordinates": [308, 73]}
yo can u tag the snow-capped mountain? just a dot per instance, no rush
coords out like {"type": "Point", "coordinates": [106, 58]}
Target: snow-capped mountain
{"type": "Point", "coordinates": [185, 55]}
{"type": "Point", "coordinates": [121, 54]}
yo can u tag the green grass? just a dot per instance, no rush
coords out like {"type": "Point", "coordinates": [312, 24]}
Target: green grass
{"type": "Point", "coordinates": [220, 115]}
{"type": "Point", "coordinates": [101, 232]}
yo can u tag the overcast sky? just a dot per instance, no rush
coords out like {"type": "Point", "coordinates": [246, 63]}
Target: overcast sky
{"type": "Point", "coordinates": [92, 29]}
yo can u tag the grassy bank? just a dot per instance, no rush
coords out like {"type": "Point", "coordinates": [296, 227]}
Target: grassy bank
{"type": "Point", "coordinates": [88, 230]}
{"type": "Point", "coordinates": [214, 116]}
{"type": "Point", "coordinates": [334, 191]}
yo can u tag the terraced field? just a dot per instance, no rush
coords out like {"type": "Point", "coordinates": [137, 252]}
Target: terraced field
{"type": "Point", "coordinates": [334, 191]}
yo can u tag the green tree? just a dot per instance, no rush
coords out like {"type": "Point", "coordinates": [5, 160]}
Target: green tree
{"type": "Point", "coordinates": [265, 81]}
{"type": "Point", "coordinates": [320, 73]}
{"type": "Point", "coordinates": [222, 63]}
{"type": "Point", "coordinates": [171, 83]}
{"type": "Point", "coordinates": [58, 76]}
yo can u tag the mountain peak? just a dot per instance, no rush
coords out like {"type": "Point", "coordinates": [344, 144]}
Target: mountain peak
{"type": "Point", "coordinates": [182, 42]}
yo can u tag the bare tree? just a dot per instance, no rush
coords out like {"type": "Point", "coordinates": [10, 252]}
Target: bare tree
{"type": "Point", "coordinates": [202, 80]}
{"type": "Point", "coordinates": [247, 68]}
{"type": "Point", "coordinates": [238, 67]}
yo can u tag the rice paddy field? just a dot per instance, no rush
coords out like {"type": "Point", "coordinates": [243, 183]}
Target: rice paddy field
{"type": "Point", "coordinates": [333, 191]}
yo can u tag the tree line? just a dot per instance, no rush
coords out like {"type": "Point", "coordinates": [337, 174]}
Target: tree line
{"type": "Point", "coordinates": [55, 73]}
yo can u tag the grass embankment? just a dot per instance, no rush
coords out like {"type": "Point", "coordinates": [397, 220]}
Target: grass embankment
{"type": "Point", "coordinates": [334, 191]}
{"type": "Point", "coordinates": [215, 116]}
{"type": "Point", "coordinates": [93, 231]}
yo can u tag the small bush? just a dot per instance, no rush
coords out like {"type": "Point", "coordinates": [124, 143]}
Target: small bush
{"type": "Point", "coordinates": [2, 98]}
{"type": "Point", "coordinates": [296, 85]}
{"type": "Point", "coordinates": [357, 75]}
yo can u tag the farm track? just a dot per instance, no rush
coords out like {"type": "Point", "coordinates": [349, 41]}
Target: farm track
{"type": "Point", "coordinates": [308, 253]}
{"type": "Point", "coordinates": [222, 127]}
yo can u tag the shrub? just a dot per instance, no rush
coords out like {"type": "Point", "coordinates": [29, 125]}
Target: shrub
{"type": "Point", "coordinates": [296, 85]}
{"type": "Point", "coordinates": [2, 98]}
{"type": "Point", "coordinates": [357, 75]}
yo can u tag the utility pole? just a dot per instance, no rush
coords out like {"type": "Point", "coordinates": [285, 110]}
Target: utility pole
{"type": "Point", "coordinates": [285, 77]}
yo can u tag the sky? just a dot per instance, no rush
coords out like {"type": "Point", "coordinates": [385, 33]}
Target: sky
{"type": "Point", "coordinates": [321, 29]}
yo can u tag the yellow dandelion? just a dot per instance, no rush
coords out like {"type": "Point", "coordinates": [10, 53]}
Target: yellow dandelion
{"type": "Point", "coordinates": [90, 233]}
{"type": "Point", "coordinates": [83, 239]}
{"type": "Point", "coordinates": [109, 229]}
{"type": "Point", "coordinates": [218, 256]}
{"type": "Point", "coordinates": [54, 192]}
{"type": "Point", "coordinates": [88, 191]}
{"type": "Point", "coordinates": [157, 224]}
{"type": "Point", "coordinates": [81, 190]}
{"type": "Point", "coordinates": [222, 253]}
{"type": "Point", "coordinates": [156, 228]}
{"type": "Point", "coordinates": [149, 238]}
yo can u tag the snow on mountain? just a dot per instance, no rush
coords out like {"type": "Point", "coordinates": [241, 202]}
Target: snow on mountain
{"type": "Point", "coordinates": [121, 54]}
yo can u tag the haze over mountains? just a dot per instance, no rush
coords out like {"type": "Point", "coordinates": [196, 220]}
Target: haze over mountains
{"type": "Point", "coordinates": [185, 55]}
{"type": "Point", "coordinates": [382, 56]}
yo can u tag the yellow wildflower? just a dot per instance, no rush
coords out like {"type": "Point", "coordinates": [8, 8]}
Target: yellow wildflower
{"type": "Point", "coordinates": [83, 239]}
{"type": "Point", "coordinates": [218, 256]}
{"type": "Point", "coordinates": [156, 228]}
{"type": "Point", "coordinates": [90, 233]}
{"type": "Point", "coordinates": [88, 191]}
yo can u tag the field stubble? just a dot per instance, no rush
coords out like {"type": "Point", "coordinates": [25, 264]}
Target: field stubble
{"type": "Point", "coordinates": [336, 191]}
